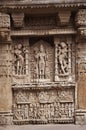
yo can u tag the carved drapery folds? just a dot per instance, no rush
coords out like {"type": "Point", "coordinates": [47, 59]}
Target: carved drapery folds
{"type": "Point", "coordinates": [4, 27]}
{"type": "Point", "coordinates": [18, 20]}
{"type": "Point", "coordinates": [81, 22]}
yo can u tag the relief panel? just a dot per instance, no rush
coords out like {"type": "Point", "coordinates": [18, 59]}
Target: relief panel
{"type": "Point", "coordinates": [46, 106]}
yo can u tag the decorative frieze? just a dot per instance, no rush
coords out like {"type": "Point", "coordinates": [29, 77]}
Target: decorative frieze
{"type": "Point", "coordinates": [44, 106]}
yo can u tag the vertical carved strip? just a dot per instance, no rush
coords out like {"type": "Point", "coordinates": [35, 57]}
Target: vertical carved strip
{"type": "Point", "coordinates": [56, 42]}
{"type": "Point", "coordinates": [27, 61]}
{"type": "Point", "coordinates": [69, 58]}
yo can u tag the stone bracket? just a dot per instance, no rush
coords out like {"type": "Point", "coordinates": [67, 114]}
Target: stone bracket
{"type": "Point", "coordinates": [18, 20]}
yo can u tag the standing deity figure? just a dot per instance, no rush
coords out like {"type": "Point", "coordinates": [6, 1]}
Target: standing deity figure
{"type": "Point", "coordinates": [40, 66]}
{"type": "Point", "coordinates": [63, 57]}
{"type": "Point", "coordinates": [19, 59]}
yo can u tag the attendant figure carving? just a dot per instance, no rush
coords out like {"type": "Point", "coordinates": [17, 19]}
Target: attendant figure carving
{"type": "Point", "coordinates": [19, 59]}
{"type": "Point", "coordinates": [63, 58]}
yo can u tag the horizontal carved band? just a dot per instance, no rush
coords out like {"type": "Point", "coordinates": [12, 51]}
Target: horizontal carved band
{"type": "Point", "coordinates": [43, 32]}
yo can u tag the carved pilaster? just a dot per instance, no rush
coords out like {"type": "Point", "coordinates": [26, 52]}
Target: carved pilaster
{"type": "Point", "coordinates": [18, 19]}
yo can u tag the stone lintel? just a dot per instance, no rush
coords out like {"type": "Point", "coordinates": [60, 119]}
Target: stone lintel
{"type": "Point", "coordinates": [43, 32]}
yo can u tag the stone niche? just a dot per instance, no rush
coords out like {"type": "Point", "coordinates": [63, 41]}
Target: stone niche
{"type": "Point", "coordinates": [42, 61]}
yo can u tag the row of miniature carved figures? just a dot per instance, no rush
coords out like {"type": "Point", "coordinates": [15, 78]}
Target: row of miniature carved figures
{"type": "Point", "coordinates": [44, 111]}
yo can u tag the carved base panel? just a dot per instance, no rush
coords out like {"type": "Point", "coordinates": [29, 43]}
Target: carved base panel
{"type": "Point", "coordinates": [43, 106]}
{"type": "Point", "coordinates": [6, 118]}
{"type": "Point", "coordinates": [81, 117]}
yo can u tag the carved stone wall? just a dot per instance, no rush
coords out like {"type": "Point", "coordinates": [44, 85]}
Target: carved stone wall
{"type": "Point", "coordinates": [42, 65]}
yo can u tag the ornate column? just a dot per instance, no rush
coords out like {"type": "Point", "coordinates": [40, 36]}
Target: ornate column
{"type": "Point", "coordinates": [5, 70]}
